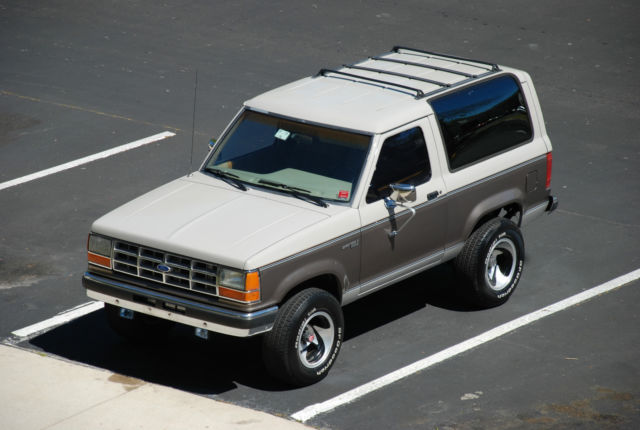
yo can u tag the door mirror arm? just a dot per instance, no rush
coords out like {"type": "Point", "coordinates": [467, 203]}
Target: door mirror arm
{"type": "Point", "coordinates": [400, 194]}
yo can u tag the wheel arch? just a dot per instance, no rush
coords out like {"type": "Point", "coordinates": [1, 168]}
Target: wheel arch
{"type": "Point", "coordinates": [289, 279]}
{"type": "Point", "coordinates": [506, 204]}
{"type": "Point", "coordinates": [328, 282]}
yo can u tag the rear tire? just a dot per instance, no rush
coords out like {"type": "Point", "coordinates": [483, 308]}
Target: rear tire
{"type": "Point", "coordinates": [140, 327]}
{"type": "Point", "coordinates": [491, 262]}
{"type": "Point", "coordinates": [305, 339]}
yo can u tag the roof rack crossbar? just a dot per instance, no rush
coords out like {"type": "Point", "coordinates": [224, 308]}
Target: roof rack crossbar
{"type": "Point", "coordinates": [418, 91]}
{"type": "Point", "coordinates": [426, 66]}
{"type": "Point", "coordinates": [493, 66]}
{"type": "Point", "coordinates": [400, 75]}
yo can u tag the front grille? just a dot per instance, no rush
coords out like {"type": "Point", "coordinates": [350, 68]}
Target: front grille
{"type": "Point", "coordinates": [169, 269]}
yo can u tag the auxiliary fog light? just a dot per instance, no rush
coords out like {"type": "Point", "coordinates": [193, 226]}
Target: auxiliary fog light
{"type": "Point", "coordinates": [202, 333]}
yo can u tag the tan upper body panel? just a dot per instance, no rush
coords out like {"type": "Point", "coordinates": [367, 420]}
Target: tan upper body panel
{"type": "Point", "coordinates": [202, 217]}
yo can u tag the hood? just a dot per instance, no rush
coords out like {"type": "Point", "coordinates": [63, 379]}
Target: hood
{"type": "Point", "coordinates": [210, 222]}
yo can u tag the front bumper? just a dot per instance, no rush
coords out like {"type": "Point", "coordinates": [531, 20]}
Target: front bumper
{"type": "Point", "coordinates": [181, 310]}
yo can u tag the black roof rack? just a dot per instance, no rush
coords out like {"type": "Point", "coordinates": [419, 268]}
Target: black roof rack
{"type": "Point", "coordinates": [494, 66]}
{"type": "Point", "coordinates": [400, 75]}
{"type": "Point", "coordinates": [426, 66]}
{"type": "Point", "coordinates": [419, 93]}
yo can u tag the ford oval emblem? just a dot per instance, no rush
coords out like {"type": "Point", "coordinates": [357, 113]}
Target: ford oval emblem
{"type": "Point", "coordinates": [163, 268]}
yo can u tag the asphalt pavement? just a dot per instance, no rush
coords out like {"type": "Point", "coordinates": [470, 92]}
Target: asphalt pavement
{"type": "Point", "coordinates": [78, 78]}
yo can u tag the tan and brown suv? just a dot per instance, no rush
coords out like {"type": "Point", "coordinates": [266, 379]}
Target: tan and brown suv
{"type": "Point", "coordinates": [328, 189]}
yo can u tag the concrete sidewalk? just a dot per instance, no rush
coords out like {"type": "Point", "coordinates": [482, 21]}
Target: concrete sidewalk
{"type": "Point", "coordinates": [42, 392]}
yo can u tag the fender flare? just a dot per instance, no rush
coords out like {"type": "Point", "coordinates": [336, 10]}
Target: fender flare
{"type": "Point", "coordinates": [491, 204]}
{"type": "Point", "coordinates": [299, 275]}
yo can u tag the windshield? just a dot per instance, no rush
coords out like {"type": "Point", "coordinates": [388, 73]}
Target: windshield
{"type": "Point", "coordinates": [273, 152]}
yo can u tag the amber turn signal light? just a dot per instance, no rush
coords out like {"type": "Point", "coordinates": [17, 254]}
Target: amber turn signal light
{"type": "Point", "coordinates": [99, 260]}
{"type": "Point", "coordinates": [243, 296]}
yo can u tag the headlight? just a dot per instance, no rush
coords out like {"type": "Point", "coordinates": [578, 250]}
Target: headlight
{"type": "Point", "coordinates": [99, 245]}
{"type": "Point", "coordinates": [239, 286]}
{"type": "Point", "coordinates": [99, 251]}
{"type": "Point", "coordinates": [231, 278]}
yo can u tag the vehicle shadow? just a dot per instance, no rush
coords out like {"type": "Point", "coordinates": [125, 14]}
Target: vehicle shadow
{"type": "Point", "coordinates": [221, 363]}
{"type": "Point", "coordinates": [436, 287]}
{"type": "Point", "coordinates": [180, 360]}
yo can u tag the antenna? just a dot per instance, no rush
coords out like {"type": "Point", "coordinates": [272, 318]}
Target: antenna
{"type": "Point", "coordinates": [193, 122]}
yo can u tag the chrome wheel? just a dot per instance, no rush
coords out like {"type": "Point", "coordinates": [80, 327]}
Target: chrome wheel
{"type": "Point", "coordinates": [305, 339]}
{"type": "Point", "coordinates": [316, 339]}
{"type": "Point", "coordinates": [500, 265]}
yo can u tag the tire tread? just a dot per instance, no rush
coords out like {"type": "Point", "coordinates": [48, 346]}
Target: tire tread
{"type": "Point", "coordinates": [469, 262]}
{"type": "Point", "coordinates": [276, 341]}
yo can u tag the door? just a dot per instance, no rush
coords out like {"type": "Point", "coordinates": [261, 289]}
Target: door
{"type": "Point", "coordinates": [396, 242]}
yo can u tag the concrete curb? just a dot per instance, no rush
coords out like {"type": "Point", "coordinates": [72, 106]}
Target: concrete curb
{"type": "Point", "coordinates": [42, 392]}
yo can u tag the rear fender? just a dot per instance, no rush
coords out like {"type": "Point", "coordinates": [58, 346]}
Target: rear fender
{"type": "Point", "coordinates": [490, 205]}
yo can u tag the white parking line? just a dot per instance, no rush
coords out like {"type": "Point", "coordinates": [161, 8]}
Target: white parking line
{"type": "Point", "coordinates": [351, 395]}
{"type": "Point", "coordinates": [61, 318]}
{"type": "Point", "coordinates": [87, 159]}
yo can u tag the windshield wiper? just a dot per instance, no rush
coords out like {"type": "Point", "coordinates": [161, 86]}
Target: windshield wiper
{"type": "Point", "coordinates": [300, 193]}
{"type": "Point", "coordinates": [228, 177]}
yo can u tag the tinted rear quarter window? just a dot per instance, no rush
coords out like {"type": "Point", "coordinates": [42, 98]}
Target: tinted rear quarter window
{"type": "Point", "coordinates": [482, 120]}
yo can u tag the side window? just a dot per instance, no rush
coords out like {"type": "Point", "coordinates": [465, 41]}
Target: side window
{"type": "Point", "coordinates": [482, 120]}
{"type": "Point", "coordinates": [403, 159]}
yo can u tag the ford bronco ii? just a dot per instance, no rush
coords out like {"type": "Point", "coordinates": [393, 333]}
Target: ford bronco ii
{"type": "Point", "coordinates": [328, 189]}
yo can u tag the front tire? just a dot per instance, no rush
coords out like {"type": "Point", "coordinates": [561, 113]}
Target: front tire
{"type": "Point", "coordinates": [491, 262]}
{"type": "Point", "coordinates": [305, 339]}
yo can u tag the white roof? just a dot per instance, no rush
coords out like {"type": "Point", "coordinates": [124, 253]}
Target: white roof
{"type": "Point", "coordinates": [357, 98]}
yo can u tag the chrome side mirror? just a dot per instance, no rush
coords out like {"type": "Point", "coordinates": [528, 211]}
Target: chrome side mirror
{"type": "Point", "coordinates": [403, 193]}
{"type": "Point", "coordinates": [400, 193]}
